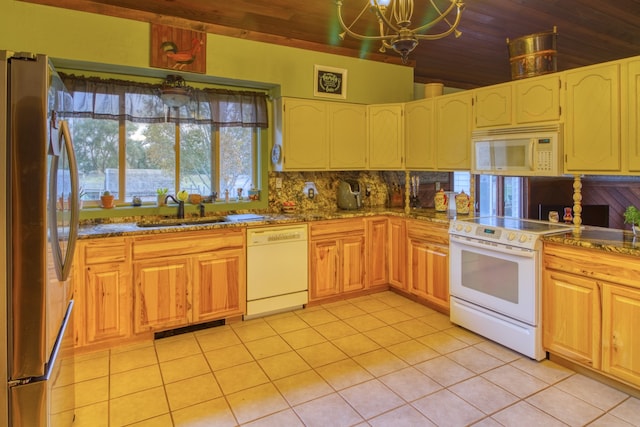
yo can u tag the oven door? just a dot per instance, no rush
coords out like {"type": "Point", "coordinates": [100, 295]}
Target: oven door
{"type": "Point", "coordinates": [500, 278]}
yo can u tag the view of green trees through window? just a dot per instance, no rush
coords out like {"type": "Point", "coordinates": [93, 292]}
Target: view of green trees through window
{"type": "Point", "coordinates": [207, 160]}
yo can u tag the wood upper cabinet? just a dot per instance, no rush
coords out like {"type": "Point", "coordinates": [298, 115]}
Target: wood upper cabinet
{"type": "Point", "coordinates": [428, 262]}
{"type": "Point", "coordinates": [571, 317]}
{"type": "Point", "coordinates": [103, 292]}
{"type": "Point", "coordinates": [537, 99]}
{"type": "Point", "coordinates": [301, 133]}
{"type": "Point", "coordinates": [376, 251]}
{"type": "Point", "coordinates": [386, 136]}
{"type": "Point", "coordinates": [337, 257]}
{"type": "Point", "coordinates": [592, 133]}
{"type": "Point", "coordinates": [633, 119]}
{"type": "Point", "coordinates": [493, 106]}
{"type": "Point", "coordinates": [347, 135]}
{"type": "Point", "coordinates": [397, 253]}
{"type": "Point", "coordinates": [419, 133]}
{"type": "Point", "coordinates": [453, 131]}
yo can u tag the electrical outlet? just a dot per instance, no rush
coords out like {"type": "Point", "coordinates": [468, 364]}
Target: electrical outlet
{"type": "Point", "coordinates": [310, 190]}
{"type": "Point", "coordinates": [437, 185]}
{"type": "Point", "coordinates": [278, 183]}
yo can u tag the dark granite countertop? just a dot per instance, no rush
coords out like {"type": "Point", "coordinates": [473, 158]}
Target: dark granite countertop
{"type": "Point", "coordinates": [130, 228]}
{"type": "Point", "coordinates": [598, 238]}
{"type": "Point", "coordinates": [604, 239]}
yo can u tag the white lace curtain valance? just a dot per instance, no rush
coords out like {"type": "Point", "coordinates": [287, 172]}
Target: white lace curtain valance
{"type": "Point", "coordinates": [140, 102]}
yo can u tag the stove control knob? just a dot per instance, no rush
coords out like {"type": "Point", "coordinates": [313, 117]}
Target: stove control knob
{"type": "Point", "coordinates": [458, 227]}
{"type": "Point", "coordinates": [467, 229]}
{"type": "Point", "coordinates": [511, 236]}
{"type": "Point", "coordinates": [523, 238]}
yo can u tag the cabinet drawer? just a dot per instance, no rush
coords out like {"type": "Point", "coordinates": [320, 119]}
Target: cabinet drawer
{"type": "Point", "coordinates": [339, 227]}
{"type": "Point", "coordinates": [422, 230]}
{"type": "Point", "coordinates": [103, 251]}
{"type": "Point", "coordinates": [187, 243]}
{"type": "Point", "coordinates": [615, 268]}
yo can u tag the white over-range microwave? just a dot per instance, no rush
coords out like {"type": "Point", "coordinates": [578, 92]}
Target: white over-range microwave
{"type": "Point", "coordinates": [523, 151]}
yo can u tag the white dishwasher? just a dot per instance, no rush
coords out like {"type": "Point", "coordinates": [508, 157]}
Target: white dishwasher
{"type": "Point", "coordinates": [277, 278]}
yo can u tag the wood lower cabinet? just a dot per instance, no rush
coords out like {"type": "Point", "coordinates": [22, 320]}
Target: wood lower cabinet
{"type": "Point", "coordinates": [337, 258]}
{"type": "Point", "coordinates": [428, 262]}
{"type": "Point", "coordinates": [377, 271]}
{"type": "Point", "coordinates": [206, 282]}
{"type": "Point", "coordinates": [219, 285]}
{"type": "Point", "coordinates": [398, 253]}
{"type": "Point", "coordinates": [103, 292]}
{"type": "Point", "coordinates": [571, 317]}
{"type": "Point", "coordinates": [620, 320]}
{"type": "Point", "coordinates": [125, 288]}
{"type": "Point", "coordinates": [161, 299]}
{"type": "Point", "coordinates": [591, 303]}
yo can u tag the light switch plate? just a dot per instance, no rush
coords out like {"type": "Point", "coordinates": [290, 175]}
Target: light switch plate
{"type": "Point", "coordinates": [278, 183]}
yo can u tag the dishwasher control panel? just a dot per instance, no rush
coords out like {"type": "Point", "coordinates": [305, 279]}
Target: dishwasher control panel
{"type": "Point", "coordinates": [269, 235]}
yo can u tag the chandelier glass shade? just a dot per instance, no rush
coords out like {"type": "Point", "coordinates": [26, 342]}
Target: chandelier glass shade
{"type": "Point", "coordinates": [394, 21]}
{"type": "Point", "coordinates": [174, 92]}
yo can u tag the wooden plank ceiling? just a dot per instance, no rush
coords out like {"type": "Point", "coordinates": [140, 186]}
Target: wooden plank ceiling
{"type": "Point", "coordinates": [589, 31]}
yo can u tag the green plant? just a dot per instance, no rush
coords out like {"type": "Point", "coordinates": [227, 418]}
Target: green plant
{"type": "Point", "coordinates": [632, 215]}
{"type": "Point", "coordinates": [106, 193]}
{"type": "Point", "coordinates": [162, 191]}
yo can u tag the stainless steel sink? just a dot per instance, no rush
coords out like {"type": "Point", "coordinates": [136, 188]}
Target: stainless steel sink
{"type": "Point", "coordinates": [175, 222]}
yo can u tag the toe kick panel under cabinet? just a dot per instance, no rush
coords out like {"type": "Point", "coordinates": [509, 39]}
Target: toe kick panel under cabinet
{"type": "Point", "coordinates": [591, 309]}
{"type": "Point", "coordinates": [207, 281]}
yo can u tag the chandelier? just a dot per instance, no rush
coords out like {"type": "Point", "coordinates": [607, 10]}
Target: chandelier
{"type": "Point", "coordinates": [174, 92]}
{"type": "Point", "coordinates": [394, 20]}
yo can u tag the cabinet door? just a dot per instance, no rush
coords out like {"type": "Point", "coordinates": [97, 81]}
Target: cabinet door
{"type": "Point", "coordinates": [219, 285]}
{"type": "Point", "coordinates": [419, 135]}
{"type": "Point", "coordinates": [352, 259]}
{"type": "Point", "coordinates": [537, 99]}
{"type": "Point", "coordinates": [305, 134]}
{"type": "Point", "coordinates": [633, 101]}
{"type": "Point", "coordinates": [386, 136]}
{"type": "Point", "coordinates": [620, 343]}
{"type": "Point", "coordinates": [429, 272]}
{"type": "Point", "coordinates": [397, 253]}
{"type": "Point", "coordinates": [453, 131]}
{"type": "Point", "coordinates": [377, 235]}
{"type": "Point", "coordinates": [161, 294]}
{"type": "Point", "coordinates": [571, 317]}
{"type": "Point", "coordinates": [493, 106]}
{"type": "Point", "coordinates": [106, 303]}
{"type": "Point", "coordinates": [324, 269]}
{"type": "Point", "coordinates": [592, 134]}
{"type": "Point", "coordinates": [347, 136]}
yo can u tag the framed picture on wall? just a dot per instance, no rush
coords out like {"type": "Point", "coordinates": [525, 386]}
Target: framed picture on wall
{"type": "Point", "coordinates": [178, 49]}
{"type": "Point", "coordinates": [330, 82]}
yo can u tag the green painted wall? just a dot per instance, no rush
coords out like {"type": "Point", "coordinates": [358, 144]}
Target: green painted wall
{"type": "Point", "coordinates": [88, 41]}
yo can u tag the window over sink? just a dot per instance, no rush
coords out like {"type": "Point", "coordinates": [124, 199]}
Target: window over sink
{"type": "Point", "coordinates": [127, 142]}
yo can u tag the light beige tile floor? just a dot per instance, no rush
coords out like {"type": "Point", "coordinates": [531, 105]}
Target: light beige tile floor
{"type": "Point", "coordinates": [379, 360]}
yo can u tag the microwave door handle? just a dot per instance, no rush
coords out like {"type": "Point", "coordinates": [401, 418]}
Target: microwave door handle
{"type": "Point", "coordinates": [532, 146]}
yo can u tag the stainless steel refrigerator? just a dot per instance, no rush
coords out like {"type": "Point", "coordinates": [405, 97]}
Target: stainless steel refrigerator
{"type": "Point", "coordinates": [39, 216]}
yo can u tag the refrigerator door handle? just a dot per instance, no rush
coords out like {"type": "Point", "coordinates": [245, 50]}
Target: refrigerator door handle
{"type": "Point", "coordinates": [63, 261]}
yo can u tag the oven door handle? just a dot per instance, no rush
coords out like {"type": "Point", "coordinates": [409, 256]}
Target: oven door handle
{"type": "Point", "coordinates": [461, 242]}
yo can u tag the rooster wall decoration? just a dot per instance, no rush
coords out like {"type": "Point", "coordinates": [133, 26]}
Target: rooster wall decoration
{"type": "Point", "coordinates": [178, 49]}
